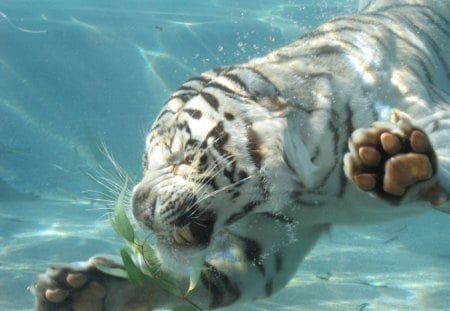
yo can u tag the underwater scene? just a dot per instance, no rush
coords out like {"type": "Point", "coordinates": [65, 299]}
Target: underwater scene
{"type": "Point", "coordinates": [81, 83]}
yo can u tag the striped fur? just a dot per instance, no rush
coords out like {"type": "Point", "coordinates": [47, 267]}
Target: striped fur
{"type": "Point", "coordinates": [263, 144]}
{"type": "Point", "coordinates": [244, 166]}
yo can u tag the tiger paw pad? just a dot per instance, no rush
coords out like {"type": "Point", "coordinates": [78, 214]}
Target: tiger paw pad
{"type": "Point", "coordinates": [68, 287]}
{"type": "Point", "coordinates": [389, 160]}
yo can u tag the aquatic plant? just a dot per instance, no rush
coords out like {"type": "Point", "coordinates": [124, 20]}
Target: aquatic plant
{"type": "Point", "coordinates": [151, 270]}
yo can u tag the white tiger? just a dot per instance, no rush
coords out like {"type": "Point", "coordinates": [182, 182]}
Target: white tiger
{"type": "Point", "coordinates": [248, 165]}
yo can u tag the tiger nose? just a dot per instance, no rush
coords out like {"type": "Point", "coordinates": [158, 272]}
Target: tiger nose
{"type": "Point", "coordinates": [143, 205]}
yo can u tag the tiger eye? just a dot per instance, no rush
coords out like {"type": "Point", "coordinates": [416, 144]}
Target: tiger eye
{"type": "Point", "coordinates": [242, 175]}
{"type": "Point", "coordinates": [188, 159]}
{"type": "Point", "coordinates": [203, 159]}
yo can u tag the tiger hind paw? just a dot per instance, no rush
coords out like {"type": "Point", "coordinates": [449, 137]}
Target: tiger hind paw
{"type": "Point", "coordinates": [389, 158]}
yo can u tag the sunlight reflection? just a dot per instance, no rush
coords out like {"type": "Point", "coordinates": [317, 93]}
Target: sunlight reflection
{"type": "Point", "coordinates": [85, 25]}
{"type": "Point", "coordinates": [150, 58]}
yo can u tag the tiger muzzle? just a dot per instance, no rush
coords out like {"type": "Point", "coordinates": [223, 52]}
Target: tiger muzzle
{"type": "Point", "coordinates": [191, 230]}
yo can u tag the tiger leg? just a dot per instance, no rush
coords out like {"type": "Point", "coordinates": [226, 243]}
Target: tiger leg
{"type": "Point", "coordinates": [80, 286]}
{"type": "Point", "coordinates": [255, 263]}
{"type": "Point", "coordinates": [395, 160]}
{"type": "Point", "coordinates": [247, 267]}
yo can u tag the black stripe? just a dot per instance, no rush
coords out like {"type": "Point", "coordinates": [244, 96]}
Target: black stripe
{"type": "Point", "coordinates": [430, 19]}
{"type": "Point", "coordinates": [253, 252]}
{"type": "Point", "coordinates": [416, 6]}
{"type": "Point", "coordinates": [423, 80]}
{"type": "Point", "coordinates": [194, 113]}
{"type": "Point", "coordinates": [235, 195]}
{"type": "Point", "coordinates": [220, 138]}
{"type": "Point", "coordinates": [323, 33]}
{"type": "Point", "coordinates": [392, 20]}
{"type": "Point", "coordinates": [263, 188]}
{"type": "Point", "coordinates": [432, 45]}
{"type": "Point", "coordinates": [230, 171]}
{"type": "Point", "coordinates": [420, 54]}
{"type": "Point", "coordinates": [193, 143]}
{"type": "Point", "coordinates": [362, 21]}
{"type": "Point", "coordinates": [210, 181]}
{"type": "Point", "coordinates": [184, 97]}
{"type": "Point", "coordinates": [181, 126]}
{"type": "Point", "coordinates": [253, 147]}
{"type": "Point", "coordinates": [246, 209]}
{"type": "Point", "coordinates": [201, 79]}
{"type": "Point", "coordinates": [222, 291]}
{"type": "Point", "coordinates": [436, 126]}
{"type": "Point", "coordinates": [365, 20]}
{"type": "Point", "coordinates": [349, 128]}
{"type": "Point", "coordinates": [334, 130]}
{"type": "Point", "coordinates": [220, 70]}
{"type": "Point", "coordinates": [315, 155]}
{"type": "Point", "coordinates": [326, 50]}
{"type": "Point", "coordinates": [427, 72]}
{"type": "Point", "coordinates": [163, 113]}
{"type": "Point", "coordinates": [186, 89]}
{"type": "Point", "coordinates": [269, 288]}
{"type": "Point", "coordinates": [229, 116]}
{"type": "Point", "coordinates": [221, 87]}
{"type": "Point", "coordinates": [236, 79]}
{"type": "Point", "coordinates": [211, 100]}
{"type": "Point", "coordinates": [264, 78]}
{"type": "Point", "coordinates": [366, 7]}
{"type": "Point", "coordinates": [440, 16]}
{"type": "Point", "coordinates": [439, 94]}
{"type": "Point", "coordinates": [278, 262]}
{"type": "Point", "coordinates": [382, 16]}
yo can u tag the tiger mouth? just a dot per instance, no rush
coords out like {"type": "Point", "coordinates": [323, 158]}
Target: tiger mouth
{"type": "Point", "coordinates": [189, 232]}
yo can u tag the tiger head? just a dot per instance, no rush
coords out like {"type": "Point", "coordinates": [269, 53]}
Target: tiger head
{"type": "Point", "coordinates": [205, 159]}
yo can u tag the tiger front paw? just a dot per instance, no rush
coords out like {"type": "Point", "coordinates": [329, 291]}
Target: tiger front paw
{"type": "Point", "coordinates": [81, 286]}
{"type": "Point", "coordinates": [76, 286]}
{"type": "Point", "coordinates": [389, 158]}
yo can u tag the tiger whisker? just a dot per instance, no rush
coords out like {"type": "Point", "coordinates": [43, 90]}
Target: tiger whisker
{"type": "Point", "coordinates": [201, 182]}
{"type": "Point", "coordinates": [223, 189]}
{"type": "Point", "coordinates": [217, 163]}
{"type": "Point", "coordinates": [111, 183]}
{"type": "Point", "coordinates": [107, 182]}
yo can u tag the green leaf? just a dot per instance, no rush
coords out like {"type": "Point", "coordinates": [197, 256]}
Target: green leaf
{"type": "Point", "coordinates": [135, 275]}
{"type": "Point", "coordinates": [167, 283]}
{"type": "Point", "coordinates": [152, 272]}
{"type": "Point", "coordinates": [120, 221]}
{"type": "Point", "coordinates": [152, 262]}
{"type": "Point", "coordinates": [117, 272]}
{"type": "Point", "coordinates": [195, 274]}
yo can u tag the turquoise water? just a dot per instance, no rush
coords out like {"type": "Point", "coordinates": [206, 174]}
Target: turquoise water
{"type": "Point", "coordinates": [76, 76]}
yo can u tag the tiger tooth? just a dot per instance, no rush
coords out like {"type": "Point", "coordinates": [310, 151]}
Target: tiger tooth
{"type": "Point", "coordinates": [186, 234]}
{"type": "Point", "coordinates": [183, 235]}
{"type": "Point", "coordinates": [177, 237]}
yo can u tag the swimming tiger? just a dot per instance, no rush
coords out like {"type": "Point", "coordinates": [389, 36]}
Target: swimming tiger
{"type": "Point", "coordinates": [247, 165]}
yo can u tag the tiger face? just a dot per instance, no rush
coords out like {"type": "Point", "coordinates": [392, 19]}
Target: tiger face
{"type": "Point", "coordinates": [203, 164]}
